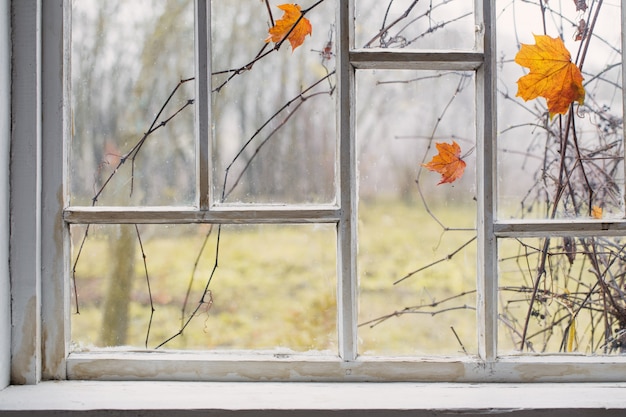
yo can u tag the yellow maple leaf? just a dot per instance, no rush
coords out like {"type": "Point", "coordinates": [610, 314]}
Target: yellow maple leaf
{"type": "Point", "coordinates": [283, 26]}
{"type": "Point", "coordinates": [552, 74]}
{"type": "Point", "coordinates": [571, 336]}
{"type": "Point", "coordinates": [447, 162]}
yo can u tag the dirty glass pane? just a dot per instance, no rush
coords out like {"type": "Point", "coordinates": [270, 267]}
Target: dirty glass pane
{"type": "Point", "coordinates": [412, 299]}
{"type": "Point", "coordinates": [127, 57]}
{"type": "Point", "coordinates": [274, 288]}
{"type": "Point", "coordinates": [577, 306]}
{"type": "Point", "coordinates": [561, 165]}
{"type": "Point", "coordinates": [273, 111]}
{"type": "Point", "coordinates": [413, 24]}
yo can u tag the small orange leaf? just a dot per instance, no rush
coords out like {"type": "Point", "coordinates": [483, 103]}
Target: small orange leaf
{"type": "Point", "coordinates": [284, 25]}
{"type": "Point", "coordinates": [596, 212]}
{"type": "Point", "coordinates": [552, 74]}
{"type": "Point", "coordinates": [447, 162]}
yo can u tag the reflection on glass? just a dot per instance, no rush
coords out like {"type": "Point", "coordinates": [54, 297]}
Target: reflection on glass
{"type": "Point", "coordinates": [565, 166]}
{"type": "Point", "coordinates": [413, 299]}
{"type": "Point", "coordinates": [434, 24]}
{"type": "Point", "coordinates": [273, 110]}
{"type": "Point", "coordinates": [274, 287]}
{"type": "Point", "coordinates": [127, 57]}
{"type": "Point", "coordinates": [562, 295]}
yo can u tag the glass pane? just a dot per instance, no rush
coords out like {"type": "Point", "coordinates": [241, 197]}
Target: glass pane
{"type": "Point", "coordinates": [434, 24]}
{"type": "Point", "coordinates": [127, 57]}
{"type": "Point", "coordinates": [274, 287]}
{"type": "Point", "coordinates": [273, 110]}
{"type": "Point", "coordinates": [568, 165]}
{"type": "Point", "coordinates": [416, 258]}
{"type": "Point", "coordinates": [577, 305]}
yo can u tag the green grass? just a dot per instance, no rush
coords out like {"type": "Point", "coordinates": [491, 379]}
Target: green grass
{"type": "Point", "coordinates": [275, 285]}
{"type": "Point", "coordinates": [396, 239]}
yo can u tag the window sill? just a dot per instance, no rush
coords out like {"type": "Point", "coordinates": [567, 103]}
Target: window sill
{"type": "Point", "coordinates": [80, 398]}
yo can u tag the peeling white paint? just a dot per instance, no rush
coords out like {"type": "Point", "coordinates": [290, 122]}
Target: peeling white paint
{"type": "Point", "coordinates": [5, 136]}
{"type": "Point", "coordinates": [25, 204]}
{"type": "Point", "coordinates": [315, 399]}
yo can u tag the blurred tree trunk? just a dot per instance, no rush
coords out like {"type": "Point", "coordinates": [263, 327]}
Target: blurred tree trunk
{"type": "Point", "coordinates": [114, 328]}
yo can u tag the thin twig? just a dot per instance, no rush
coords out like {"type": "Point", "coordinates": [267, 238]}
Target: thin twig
{"type": "Point", "coordinates": [134, 151]}
{"type": "Point", "coordinates": [145, 268]}
{"type": "Point", "coordinates": [137, 147]}
{"type": "Point", "coordinates": [258, 131]}
{"type": "Point", "coordinates": [384, 30]}
{"type": "Point", "coordinates": [458, 339]}
{"type": "Point", "coordinates": [193, 273]}
{"type": "Point", "coordinates": [438, 261]}
{"type": "Point", "coordinates": [262, 54]}
{"type": "Point", "coordinates": [206, 292]}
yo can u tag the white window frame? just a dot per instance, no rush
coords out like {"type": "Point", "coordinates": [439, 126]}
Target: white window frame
{"type": "Point", "coordinates": [40, 226]}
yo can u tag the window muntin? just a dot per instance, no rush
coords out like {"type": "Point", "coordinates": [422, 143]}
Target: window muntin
{"type": "Point", "coordinates": [487, 306]}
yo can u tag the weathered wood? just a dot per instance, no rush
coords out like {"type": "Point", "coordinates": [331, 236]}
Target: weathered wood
{"type": "Point", "coordinates": [203, 100]}
{"type": "Point", "coordinates": [54, 195]}
{"type": "Point", "coordinates": [420, 60]}
{"type": "Point", "coordinates": [217, 399]}
{"type": "Point", "coordinates": [25, 254]}
{"type": "Point", "coordinates": [486, 132]}
{"type": "Point", "coordinates": [562, 227]}
{"type": "Point", "coordinates": [165, 215]}
{"type": "Point", "coordinates": [347, 227]}
{"type": "Point", "coordinates": [285, 366]}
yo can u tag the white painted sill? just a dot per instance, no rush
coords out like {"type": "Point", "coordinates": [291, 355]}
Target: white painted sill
{"type": "Point", "coordinates": [108, 398]}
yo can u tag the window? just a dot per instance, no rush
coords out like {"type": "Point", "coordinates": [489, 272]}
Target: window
{"type": "Point", "coordinates": [325, 159]}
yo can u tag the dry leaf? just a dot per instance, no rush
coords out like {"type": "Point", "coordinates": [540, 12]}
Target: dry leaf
{"type": "Point", "coordinates": [581, 5]}
{"type": "Point", "coordinates": [552, 74]}
{"type": "Point", "coordinates": [569, 247]}
{"type": "Point", "coordinates": [581, 30]}
{"type": "Point", "coordinates": [596, 212]}
{"type": "Point", "coordinates": [284, 25]}
{"type": "Point", "coordinates": [447, 162]}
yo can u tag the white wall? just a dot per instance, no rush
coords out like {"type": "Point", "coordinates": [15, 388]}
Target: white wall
{"type": "Point", "coordinates": [5, 118]}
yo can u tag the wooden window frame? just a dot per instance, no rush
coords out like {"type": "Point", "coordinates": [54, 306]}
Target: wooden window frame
{"type": "Point", "coordinates": [41, 218]}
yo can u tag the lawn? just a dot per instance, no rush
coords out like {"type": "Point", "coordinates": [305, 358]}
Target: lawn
{"type": "Point", "coordinates": [275, 286]}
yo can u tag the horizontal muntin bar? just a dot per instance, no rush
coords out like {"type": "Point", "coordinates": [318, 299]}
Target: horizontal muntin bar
{"type": "Point", "coordinates": [422, 60]}
{"type": "Point", "coordinates": [188, 215]}
{"type": "Point", "coordinates": [561, 227]}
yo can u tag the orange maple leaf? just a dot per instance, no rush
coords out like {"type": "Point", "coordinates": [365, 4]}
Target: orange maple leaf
{"type": "Point", "coordinates": [447, 162]}
{"type": "Point", "coordinates": [552, 74]}
{"type": "Point", "coordinates": [284, 25]}
{"type": "Point", "coordinates": [596, 212]}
